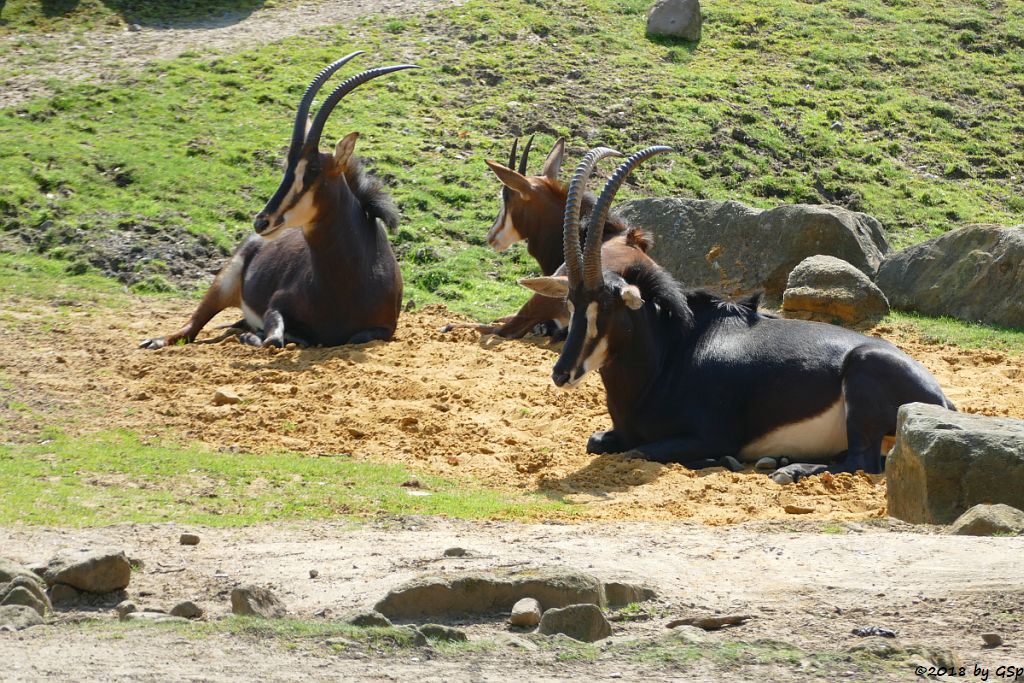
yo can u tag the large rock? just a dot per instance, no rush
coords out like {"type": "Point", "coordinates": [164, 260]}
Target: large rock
{"type": "Point", "coordinates": [94, 571]}
{"type": "Point", "coordinates": [945, 462]}
{"type": "Point", "coordinates": [20, 586]}
{"type": "Point", "coordinates": [830, 290]}
{"type": "Point", "coordinates": [736, 249]}
{"type": "Point", "coordinates": [481, 593]}
{"type": "Point", "coordinates": [256, 601]}
{"type": "Point", "coordinates": [18, 617]}
{"type": "Point", "coordinates": [989, 520]}
{"type": "Point", "coordinates": [676, 18]}
{"type": "Point", "coordinates": [580, 622]}
{"type": "Point", "coordinates": [975, 273]}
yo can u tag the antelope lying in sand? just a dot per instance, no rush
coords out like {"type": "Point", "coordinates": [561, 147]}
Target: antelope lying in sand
{"type": "Point", "coordinates": [532, 208]}
{"type": "Point", "coordinates": [691, 378]}
{"type": "Point", "coordinates": [334, 280]}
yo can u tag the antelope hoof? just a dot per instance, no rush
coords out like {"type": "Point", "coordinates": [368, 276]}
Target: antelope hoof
{"type": "Point", "coordinates": [604, 442]}
{"type": "Point", "coordinates": [154, 343]}
{"type": "Point", "coordinates": [794, 473]}
{"type": "Point", "coordinates": [250, 339]}
{"type": "Point", "coordinates": [276, 342]}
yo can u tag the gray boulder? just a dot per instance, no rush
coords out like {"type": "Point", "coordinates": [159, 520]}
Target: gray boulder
{"type": "Point", "coordinates": [580, 622]}
{"type": "Point", "coordinates": [18, 617]}
{"type": "Point", "coordinates": [256, 601]}
{"type": "Point", "coordinates": [20, 586]}
{"type": "Point", "coordinates": [676, 18]}
{"type": "Point", "coordinates": [975, 273]}
{"type": "Point", "coordinates": [187, 610]}
{"type": "Point", "coordinates": [829, 290]}
{"type": "Point", "coordinates": [988, 520]}
{"type": "Point", "coordinates": [945, 462]}
{"type": "Point", "coordinates": [94, 571]}
{"type": "Point", "coordinates": [737, 250]}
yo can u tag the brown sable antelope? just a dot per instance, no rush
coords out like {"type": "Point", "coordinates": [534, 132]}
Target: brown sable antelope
{"type": "Point", "coordinates": [532, 209]}
{"type": "Point", "coordinates": [694, 379]}
{"type": "Point", "coordinates": [332, 281]}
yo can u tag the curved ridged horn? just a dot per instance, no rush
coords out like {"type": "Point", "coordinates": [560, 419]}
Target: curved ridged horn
{"type": "Point", "coordinates": [299, 132]}
{"type": "Point", "coordinates": [571, 222]}
{"type": "Point", "coordinates": [526, 154]}
{"type": "Point", "coordinates": [317, 129]}
{"type": "Point", "coordinates": [592, 277]}
{"type": "Point", "coordinates": [512, 154]}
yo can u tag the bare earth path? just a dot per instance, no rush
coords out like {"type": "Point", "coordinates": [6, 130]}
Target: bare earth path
{"type": "Point", "coordinates": [28, 61]}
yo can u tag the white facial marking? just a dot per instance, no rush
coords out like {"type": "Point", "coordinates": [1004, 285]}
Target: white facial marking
{"type": "Point", "coordinates": [503, 235]}
{"type": "Point", "coordinates": [809, 440]}
{"type": "Point", "coordinates": [297, 216]}
{"type": "Point", "coordinates": [596, 358]}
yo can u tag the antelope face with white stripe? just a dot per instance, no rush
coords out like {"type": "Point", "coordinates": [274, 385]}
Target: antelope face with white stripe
{"type": "Point", "coordinates": [523, 196]}
{"type": "Point", "coordinates": [295, 204]}
{"type": "Point", "coordinates": [600, 323]}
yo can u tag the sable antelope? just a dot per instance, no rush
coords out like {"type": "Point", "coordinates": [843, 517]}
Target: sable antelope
{"type": "Point", "coordinates": [691, 378]}
{"type": "Point", "coordinates": [335, 280]}
{"type": "Point", "coordinates": [532, 208]}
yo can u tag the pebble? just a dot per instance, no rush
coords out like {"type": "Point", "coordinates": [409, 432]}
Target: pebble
{"type": "Point", "coordinates": [526, 612]}
{"type": "Point", "coordinates": [992, 639]}
{"type": "Point", "coordinates": [125, 607]}
{"type": "Point", "coordinates": [189, 539]}
{"type": "Point", "coordinates": [187, 609]}
{"type": "Point", "coordinates": [224, 397]}
{"type": "Point", "coordinates": [766, 465]}
{"type": "Point", "coordinates": [313, 573]}
{"type": "Point", "coordinates": [455, 552]}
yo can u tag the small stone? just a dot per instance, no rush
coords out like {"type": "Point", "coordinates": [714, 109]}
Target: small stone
{"type": "Point", "coordinates": [692, 635]}
{"type": "Point", "coordinates": [418, 639]}
{"type": "Point", "coordinates": [511, 640]}
{"type": "Point", "coordinates": [525, 612]}
{"type": "Point", "coordinates": [187, 609]}
{"type": "Point", "coordinates": [339, 641]}
{"type": "Point", "coordinates": [367, 619]}
{"type": "Point", "coordinates": [586, 623]}
{"type": "Point", "coordinates": [989, 520]}
{"type": "Point", "coordinates": [225, 397]}
{"type": "Point", "coordinates": [992, 639]}
{"type": "Point", "coordinates": [766, 464]}
{"type": "Point", "coordinates": [124, 608]}
{"type": "Point", "coordinates": [313, 573]}
{"type": "Point", "coordinates": [455, 552]}
{"type": "Point", "coordinates": [189, 539]}
{"type": "Point", "coordinates": [445, 633]}
{"type": "Point", "coordinates": [256, 601]}
{"type": "Point", "coordinates": [63, 594]}
{"type": "Point", "coordinates": [836, 126]}
{"type": "Point", "coordinates": [797, 509]}
{"type": "Point", "coordinates": [711, 623]}
{"type": "Point", "coordinates": [730, 463]}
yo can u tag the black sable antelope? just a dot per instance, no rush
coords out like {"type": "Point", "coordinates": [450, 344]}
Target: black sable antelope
{"type": "Point", "coordinates": [691, 378]}
{"type": "Point", "coordinates": [333, 281]}
{"type": "Point", "coordinates": [532, 208]}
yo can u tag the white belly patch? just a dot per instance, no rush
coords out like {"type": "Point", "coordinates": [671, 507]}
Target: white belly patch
{"type": "Point", "coordinates": [255, 321]}
{"type": "Point", "coordinates": [805, 441]}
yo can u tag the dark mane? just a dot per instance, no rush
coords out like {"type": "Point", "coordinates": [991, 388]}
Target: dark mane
{"type": "Point", "coordinates": [659, 287]}
{"type": "Point", "coordinates": [615, 224]}
{"type": "Point", "coordinates": [371, 193]}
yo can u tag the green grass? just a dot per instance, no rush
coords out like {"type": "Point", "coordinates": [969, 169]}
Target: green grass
{"type": "Point", "coordinates": [60, 15]}
{"type": "Point", "coordinates": [114, 477]}
{"type": "Point", "coordinates": [192, 146]}
{"type": "Point", "coordinates": [959, 333]}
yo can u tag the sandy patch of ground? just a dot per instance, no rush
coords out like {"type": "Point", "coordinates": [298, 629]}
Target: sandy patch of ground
{"type": "Point", "coordinates": [450, 404]}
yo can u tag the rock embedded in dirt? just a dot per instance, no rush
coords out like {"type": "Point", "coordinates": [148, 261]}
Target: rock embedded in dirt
{"type": "Point", "coordinates": [440, 632]}
{"type": "Point", "coordinates": [585, 623]}
{"type": "Point", "coordinates": [992, 639]}
{"type": "Point", "coordinates": [830, 290]}
{"type": "Point", "coordinates": [417, 638]}
{"type": "Point", "coordinates": [989, 520]}
{"type": "Point", "coordinates": [366, 619]}
{"type": "Point", "coordinates": [795, 509]}
{"type": "Point", "coordinates": [93, 571]}
{"type": "Point", "coordinates": [620, 593]}
{"type": "Point", "coordinates": [675, 18]}
{"type": "Point", "coordinates": [738, 250]}
{"type": "Point", "coordinates": [945, 462]}
{"type": "Point", "coordinates": [313, 573]}
{"type": "Point", "coordinates": [766, 464]}
{"type": "Point", "coordinates": [252, 600]}
{"type": "Point", "coordinates": [155, 617]}
{"type": "Point", "coordinates": [225, 397]}
{"type": "Point", "coordinates": [972, 273]}
{"type": "Point", "coordinates": [187, 609]}
{"type": "Point", "coordinates": [477, 593]}
{"type": "Point", "coordinates": [124, 608]}
{"type": "Point", "coordinates": [25, 589]}
{"type": "Point", "coordinates": [711, 622]}
{"type": "Point", "coordinates": [691, 635]}
{"type": "Point", "coordinates": [525, 612]}
{"type": "Point", "coordinates": [512, 640]}
{"type": "Point", "coordinates": [63, 594]}
{"type": "Point", "coordinates": [18, 617]}
{"type": "Point", "coordinates": [189, 539]}
{"type": "Point", "coordinates": [455, 552]}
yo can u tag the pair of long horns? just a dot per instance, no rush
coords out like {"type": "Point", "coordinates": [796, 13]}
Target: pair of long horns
{"type": "Point", "coordinates": [300, 137]}
{"type": "Point", "coordinates": [585, 264]}
{"type": "Point", "coordinates": [526, 154]}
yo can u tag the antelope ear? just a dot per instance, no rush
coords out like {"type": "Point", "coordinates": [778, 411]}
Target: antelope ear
{"type": "Point", "coordinates": [511, 179]}
{"type": "Point", "coordinates": [554, 286]}
{"type": "Point", "coordinates": [553, 164]}
{"type": "Point", "coordinates": [342, 154]}
{"type": "Point", "coordinates": [631, 297]}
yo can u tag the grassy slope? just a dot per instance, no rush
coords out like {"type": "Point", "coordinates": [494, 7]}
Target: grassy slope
{"type": "Point", "coordinates": [929, 101]}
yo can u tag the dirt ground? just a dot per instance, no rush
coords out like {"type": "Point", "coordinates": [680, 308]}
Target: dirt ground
{"type": "Point", "coordinates": [456, 405]}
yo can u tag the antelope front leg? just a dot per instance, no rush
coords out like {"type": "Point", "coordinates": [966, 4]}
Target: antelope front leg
{"type": "Point", "coordinates": [273, 328]}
